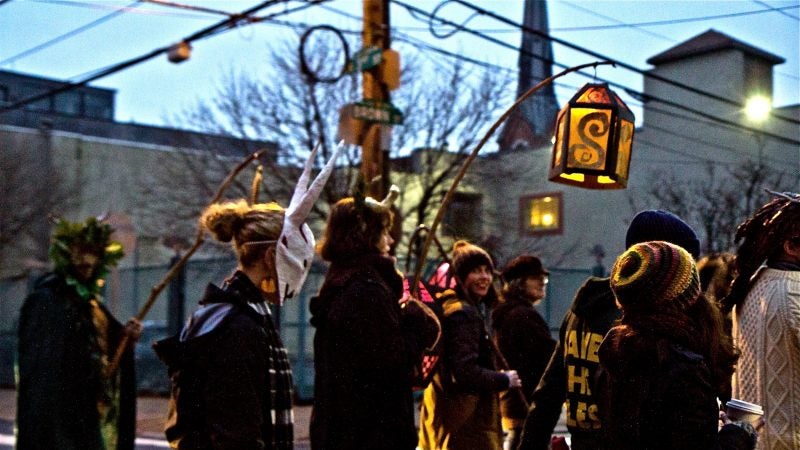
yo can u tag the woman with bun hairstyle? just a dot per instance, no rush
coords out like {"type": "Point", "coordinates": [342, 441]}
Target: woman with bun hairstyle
{"type": "Point", "coordinates": [231, 379]}
{"type": "Point", "coordinates": [668, 360]}
{"type": "Point", "coordinates": [366, 344]}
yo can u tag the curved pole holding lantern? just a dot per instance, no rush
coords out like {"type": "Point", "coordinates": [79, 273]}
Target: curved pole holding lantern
{"type": "Point", "coordinates": [448, 196]}
{"type": "Point", "coordinates": [414, 249]}
{"type": "Point", "coordinates": [199, 239]}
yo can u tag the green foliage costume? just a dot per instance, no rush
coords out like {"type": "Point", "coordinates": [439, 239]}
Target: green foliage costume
{"type": "Point", "coordinates": [66, 339]}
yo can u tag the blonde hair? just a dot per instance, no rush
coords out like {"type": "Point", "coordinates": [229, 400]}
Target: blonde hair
{"type": "Point", "coordinates": [243, 223]}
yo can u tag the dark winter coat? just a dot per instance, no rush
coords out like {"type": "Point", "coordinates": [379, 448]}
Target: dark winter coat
{"type": "Point", "coordinates": [524, 339]}
{"type": "Point", "coordinates": [460, 407]}
{"type": "Point", "coordinates": [60, 378]}
{"type": "Point", "coordinates": [363, 359]}
{"type": "Point", "coordinates": [231, 381]}
{"type": "Point", "coordinates": [592, 314]}
{"type": "Point", "coordinates": [656, 394]}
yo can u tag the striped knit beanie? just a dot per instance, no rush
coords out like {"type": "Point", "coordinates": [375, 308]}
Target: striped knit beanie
{"type": "Point", "coordinates": [655, 273]}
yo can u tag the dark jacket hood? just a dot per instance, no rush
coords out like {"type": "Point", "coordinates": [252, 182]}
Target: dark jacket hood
{"type": "Point", "coordinates": [594, 297]}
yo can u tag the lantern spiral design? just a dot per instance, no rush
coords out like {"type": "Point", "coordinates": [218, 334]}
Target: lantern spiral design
{"type": "Point", "coordinates": [588, 153]}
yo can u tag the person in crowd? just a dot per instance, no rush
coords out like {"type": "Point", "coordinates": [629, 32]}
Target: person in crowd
{"type": "Point", "coordinates": [566, 380]}
{"type": "Point", "coordinates": [366, 345]}
{"type": "Point", "coordinates": [460, 407]}
{"type": "Point", "coordinates": [522, 336]}
{"type": "Point", "coordinates": [231, 380]}
{"type": "Point", "coordinates": [67, 396]}
{"type": "Point", "coordinates": [765, 304]}
{"type": "Point", "coordinates": [716, 274]}
{"type": "Point", "coordinates": [664, 365]}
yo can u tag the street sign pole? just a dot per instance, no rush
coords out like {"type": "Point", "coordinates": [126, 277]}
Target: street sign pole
{"type": "Point", "coordinates": [375, 34]}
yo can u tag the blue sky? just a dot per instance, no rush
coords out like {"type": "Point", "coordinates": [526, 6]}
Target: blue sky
{"type": "Point", "coordinates": [628, 31]}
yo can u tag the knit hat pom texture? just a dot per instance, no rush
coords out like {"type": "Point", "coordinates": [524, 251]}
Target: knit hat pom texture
{"type": "Point", "coordinates": [655, 273]}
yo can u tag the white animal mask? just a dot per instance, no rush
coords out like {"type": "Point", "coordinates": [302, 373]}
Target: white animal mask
{"type": "Point", "coordinates": [295, 246]}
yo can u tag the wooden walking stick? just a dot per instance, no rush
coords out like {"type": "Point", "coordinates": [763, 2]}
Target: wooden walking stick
{"type": "Point", "coordinates": [199, 239]}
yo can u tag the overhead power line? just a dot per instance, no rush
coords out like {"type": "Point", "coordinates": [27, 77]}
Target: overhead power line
{"type": "Point", "coordinates": [780, 10]}
{"type": "Point", "coordinates": [606, 58]}
{"type": "Point", "coordinates": [231, 22]}
{"type": "Point", "coordinates": [633, 92]}
{"type": "Point", "coordinates": [189, 7]}
{"type": "Point", "coordinates": [769, 9]}
{"type": "Point", "coordinates": [640, 26]}
{"type": "Point", "coordinates": [67, 35]}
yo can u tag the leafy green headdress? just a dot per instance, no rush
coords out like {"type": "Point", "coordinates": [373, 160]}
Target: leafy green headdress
{"type": "Point", "coordinates": [92, 237]}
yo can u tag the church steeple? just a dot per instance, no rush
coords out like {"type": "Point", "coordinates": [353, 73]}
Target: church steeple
{"type": "Point", "coordinates": [531, 125]}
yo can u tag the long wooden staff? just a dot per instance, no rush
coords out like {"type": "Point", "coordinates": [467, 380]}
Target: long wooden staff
{"type": "Point", "coordinates": [199, 239]}
{"type": "Point", "coordinates": [449, 195]}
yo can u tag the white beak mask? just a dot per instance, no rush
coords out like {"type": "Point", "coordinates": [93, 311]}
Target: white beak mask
{"type": "Point", "coordinates": [295, 246]}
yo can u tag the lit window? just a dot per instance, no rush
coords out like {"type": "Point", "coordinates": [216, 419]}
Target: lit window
{"type": "Point", "coordinates": [541, 214]}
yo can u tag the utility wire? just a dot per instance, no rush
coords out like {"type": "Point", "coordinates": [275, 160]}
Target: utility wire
{"type": "Point", "coordinates": [189, 7]}
{"type": "Point", "coordinates": [630, 91]}
{"type": "Point", "coordinates": [672, 21]}
{"type": "Point", "coordinates": [619, 23]}
{"type": "Point", "coordinates": [635, 94]}
{"type": "Point", "coordinates": [780, 10]}
{"type": "Point", "coordinates": [107, 7]}
{"type": "Point", "coordinates": [66, 35]}
{"type": "Point", "coordinates": [205, 32]}
{"type": "Point", "coordinates": [420, 44]}
{"type": "Point", "coordinates": [638, 26]}
{"type": "Point", "coordinates": [606, 58]}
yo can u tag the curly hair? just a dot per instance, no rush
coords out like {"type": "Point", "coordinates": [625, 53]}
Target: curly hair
{"type": "Point", "coordinates": [243, 223]}
{"type": "Point", "coordinates": [716, 272]}
{"type": "Point", "coordinates": [700, 327]}
{"type": "Point", "coordinates": [352, 230]}
{"type": "Point", "coordinates": [763, 235]}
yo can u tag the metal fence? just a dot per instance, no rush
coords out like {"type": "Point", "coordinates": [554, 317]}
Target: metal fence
{"type": "Point", "coordinates": [128, 289]}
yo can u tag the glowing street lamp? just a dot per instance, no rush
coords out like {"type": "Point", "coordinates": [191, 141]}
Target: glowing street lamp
{"type": "Point", "coordinates": [757, 108]}
{"type": "Point", "coordinates": [593, 141]}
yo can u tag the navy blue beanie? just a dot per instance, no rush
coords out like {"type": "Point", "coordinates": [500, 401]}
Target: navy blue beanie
{"type": "Point", "coordinates": [659, 225]}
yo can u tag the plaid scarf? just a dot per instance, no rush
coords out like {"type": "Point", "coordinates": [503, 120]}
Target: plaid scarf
{"type": "Point", "coordinates": [280, 372]}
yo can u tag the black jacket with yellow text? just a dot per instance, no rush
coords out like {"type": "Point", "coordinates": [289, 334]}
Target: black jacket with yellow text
{"type": "Point", "coordinates": [570, 374]}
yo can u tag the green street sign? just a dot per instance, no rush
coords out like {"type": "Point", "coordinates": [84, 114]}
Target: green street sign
{"type": "Point", "coordinates": [365, 59]}
{"type": "Point", "coordinates": [373, 111]}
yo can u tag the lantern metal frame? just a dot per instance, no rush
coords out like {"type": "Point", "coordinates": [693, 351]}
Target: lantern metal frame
{"type": "Point", "coordinates": [606, 125]}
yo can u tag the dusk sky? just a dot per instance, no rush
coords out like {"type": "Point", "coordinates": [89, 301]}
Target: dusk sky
{"type": "Point", "coordinates": [627, 31]}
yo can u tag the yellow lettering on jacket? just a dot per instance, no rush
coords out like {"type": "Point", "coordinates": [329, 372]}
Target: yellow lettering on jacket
{"type": "Point", "coordinates": [570, 419]}
{"type": "Point", "coordinates": [585, 348]}
{"type": "Point", "coordinates": [578, 382]}
{"type": "Point", "coordinates": [584, 416]}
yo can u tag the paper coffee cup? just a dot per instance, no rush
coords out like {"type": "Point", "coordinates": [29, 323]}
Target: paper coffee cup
{"type": "Point", "coordinates": [742, 411]}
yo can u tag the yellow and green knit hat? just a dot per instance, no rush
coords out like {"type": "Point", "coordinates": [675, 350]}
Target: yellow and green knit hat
{"type": "Point", "coordinates": [655, 273]}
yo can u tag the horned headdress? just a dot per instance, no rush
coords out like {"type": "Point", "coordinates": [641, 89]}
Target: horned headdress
{"type": "Point", "coordinates": [295, 246]}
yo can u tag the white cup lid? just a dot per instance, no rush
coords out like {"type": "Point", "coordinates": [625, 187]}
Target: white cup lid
{"type": "Point", "coordinates": [745, 406]}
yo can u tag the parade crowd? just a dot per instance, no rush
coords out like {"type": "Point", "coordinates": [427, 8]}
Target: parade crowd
{"type": "Point", "coordinates": [647, 357]}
